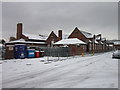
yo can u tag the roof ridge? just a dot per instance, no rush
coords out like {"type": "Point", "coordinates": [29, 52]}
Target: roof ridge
{"type": "Point", "coordinates": [85, 32]}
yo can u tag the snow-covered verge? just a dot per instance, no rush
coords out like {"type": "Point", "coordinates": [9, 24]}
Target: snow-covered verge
{"type": "Point", "coordinates": [99, 71]}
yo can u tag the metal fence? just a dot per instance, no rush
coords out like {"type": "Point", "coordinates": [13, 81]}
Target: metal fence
{"type": "Point", "coordinates": [2, 52]}
{"type": "Point", "coordinates": [56, 51]}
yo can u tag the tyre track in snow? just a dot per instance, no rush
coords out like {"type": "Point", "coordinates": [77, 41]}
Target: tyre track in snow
{"type": "Point", "coordinates": [71, 84]}
{"type": "Point", "coordinates": [44, 71]}
{"type": "Point", "coordinates": [32, 76]}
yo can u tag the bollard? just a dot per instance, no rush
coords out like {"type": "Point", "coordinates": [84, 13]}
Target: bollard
{"type": "Point", "coordinates": [82, 54]}
{"type": "Point", "coordinates": [93, 54]}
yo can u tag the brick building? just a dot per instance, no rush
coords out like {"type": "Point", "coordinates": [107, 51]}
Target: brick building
{"type": "Point", "coordinates": [52, 38]}
{"type": "Point", "coordinates": [116, 44]}
{"type": "Point", "coordinates": [93, 43]}
{"type": "Point", "coordinates": [82, 35]}
{"type": "Point", "coordinates": [28, 39]}
{"type": "Point", "coordinates": [76, 46]}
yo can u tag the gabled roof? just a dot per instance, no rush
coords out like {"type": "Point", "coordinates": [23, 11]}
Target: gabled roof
{"type": "Point", "coordinates": [35, 37]}
{"type": "Point", "coordinates": [97, 38]}
{"type": "Point", "coordinates": [52, 34]}
{"type": "Point", "coordinates": [70, 41]}
{"type": "Point", "coordinates": [86, 34]}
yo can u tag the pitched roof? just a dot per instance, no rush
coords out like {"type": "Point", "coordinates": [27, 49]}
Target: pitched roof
{"type": "Point", "coordinates": [15, 41]}
{"type": "Point", "coordinates": [96, 42]}
{"type": "Point", "coordinates": [23, 41]}
{"type": "Point", "coordinates": [103, 39]}
{"type": "Point", "coordinates": [70, 41]}
{"type": "Point", "coordinates": [52, 35]}
{"type": "Point", "coordinates": [86, 34]}
{"type": "Point", "coordinates": [35, 37]}
{"type": "Point", "coordinates": [117, 42]}
{"type": "Point", "coordinates": [97, 38]}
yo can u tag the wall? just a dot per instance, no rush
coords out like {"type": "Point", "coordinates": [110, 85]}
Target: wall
{"type": "Point", "coordinates": [77, 34]}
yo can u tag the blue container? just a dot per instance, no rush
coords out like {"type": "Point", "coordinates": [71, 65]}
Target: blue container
{"type": "Point", "coordinates": [20, 51]}
{"type": "Point", "coordinates": [30, 53]}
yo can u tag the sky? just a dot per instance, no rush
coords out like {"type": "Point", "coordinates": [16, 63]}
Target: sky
{"type": "Point", "coordinates": [0, 20]}
{"type": "Point", "coordinates": [44, 17]}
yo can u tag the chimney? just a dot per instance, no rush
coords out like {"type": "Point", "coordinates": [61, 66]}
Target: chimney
{"type": "Point", "coordinates": [60, 34]}
{"type": "Point", "coordinates": [100, 37]}
{"type": "Point", "coordinates": [19, 31]}
{"type": "Point", "coordinates": [94, 37]}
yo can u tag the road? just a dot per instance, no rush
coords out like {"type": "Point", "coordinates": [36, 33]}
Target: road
{"type": "Point", "coordinates": [99, 71]}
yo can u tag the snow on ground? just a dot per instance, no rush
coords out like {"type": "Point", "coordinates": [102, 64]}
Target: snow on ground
{"type": "Point", "coordinates": [0, 74]}
{"type": "Point", "coordinates": [99, 71]}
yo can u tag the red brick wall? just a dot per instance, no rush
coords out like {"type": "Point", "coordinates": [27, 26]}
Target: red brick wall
{"type": "Point", "coordinates": [76, 50]}
{"type": "Point", "coordinates": [77, 34]}
{"type": "Point", "coordinates": [117, 46]}
{"type": "Point", "coordinates": [52, 37]}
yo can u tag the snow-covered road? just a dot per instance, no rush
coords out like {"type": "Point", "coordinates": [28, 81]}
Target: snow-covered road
{"type": "Point", "coordinates": [0, 75]}
{"type": "Point", "coordinates": [99, 71]}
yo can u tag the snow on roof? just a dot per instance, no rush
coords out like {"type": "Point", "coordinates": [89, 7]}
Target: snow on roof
{"type": "Point", "coordinates": [117, 42]}
{"type": "Point", "coordinates": [23, 41]}
{"type": "Point", "coordinates": [103, 39]}
{"type": "Point", "coordinates": [89, 40]}
{"type": "Point", "coordinates": [20, 40]}
{"type": "Point", "coordinates": [101, 42]}
{"type": "Point", "coordinates": [97, 38]}
{"type": "Point", "coordinates": [96, 42]}
{"type": "Point", "coordinates": [1, 45]}
{"type": "Point", "coordinates": [110, 45]}
{"type": "Point", "coordinates": [86, 34]}
{"type": "Point", "coordinates": [70, 41]}
{"type": "Point", "coordinates": [36, 42]}
{"type": "Point", "coordinates": [36, 37]}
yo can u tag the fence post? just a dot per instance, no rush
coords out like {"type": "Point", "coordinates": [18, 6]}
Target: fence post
{"type": "Point", "coordinates": [58, 56]}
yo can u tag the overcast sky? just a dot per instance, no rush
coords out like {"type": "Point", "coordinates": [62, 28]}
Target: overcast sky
{"type": "Point", "coordinates": [42, 18]}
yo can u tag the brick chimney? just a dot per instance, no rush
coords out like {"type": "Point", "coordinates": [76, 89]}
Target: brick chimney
{"type": "Point", "coordinates": [19, 31]}
{"type": "Point", "coordinates": [60, 34]}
